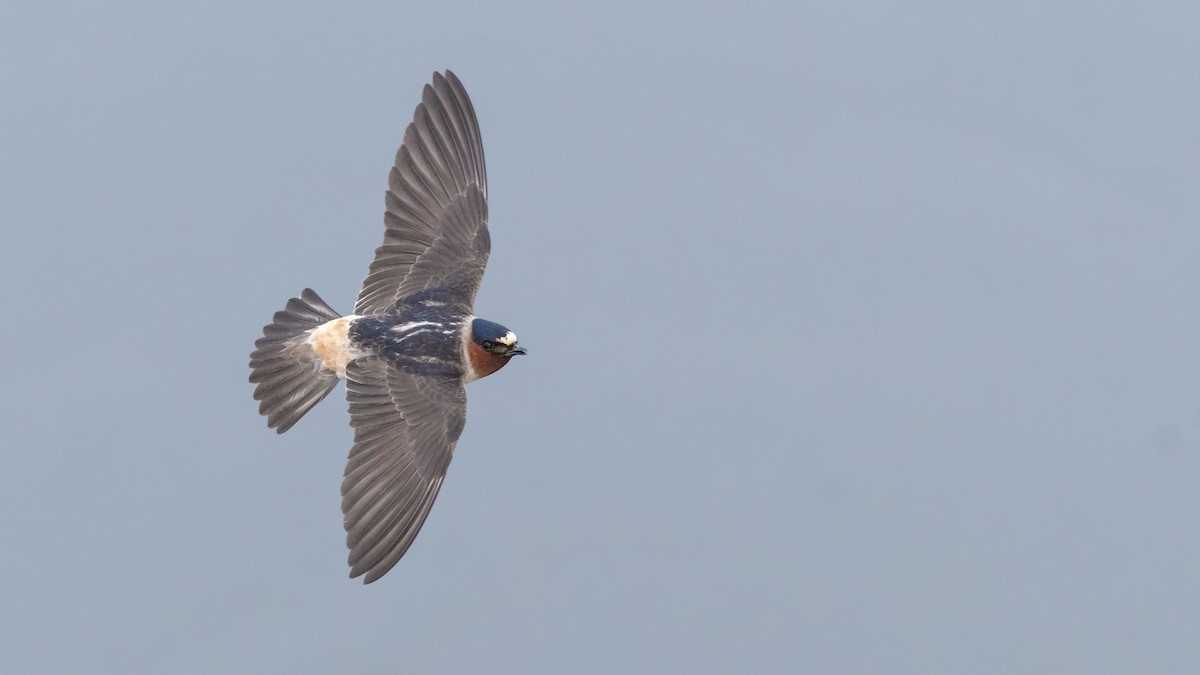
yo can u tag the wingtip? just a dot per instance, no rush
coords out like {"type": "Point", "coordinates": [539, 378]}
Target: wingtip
{"type": "Point", "coordinates": [368, 575]}
{"type": "Point", "coordinates": [450, 78]}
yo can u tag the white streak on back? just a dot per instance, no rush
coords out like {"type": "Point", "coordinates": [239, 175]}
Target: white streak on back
{"type": "Point", "coordinates": [405, 327]}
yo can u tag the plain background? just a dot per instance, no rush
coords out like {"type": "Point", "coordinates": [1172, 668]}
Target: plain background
{"type": "Point", "coordinates": [863, 337]}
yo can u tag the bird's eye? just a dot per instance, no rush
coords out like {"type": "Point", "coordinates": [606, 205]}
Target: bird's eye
{"type": "Point", "coordinates": [488, 344]}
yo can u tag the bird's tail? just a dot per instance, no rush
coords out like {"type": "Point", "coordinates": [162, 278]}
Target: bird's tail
{"type": "Point", "coordinates": [291, 377]}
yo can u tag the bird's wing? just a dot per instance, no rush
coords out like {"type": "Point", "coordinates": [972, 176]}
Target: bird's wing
{"type": "Point", "coordinates": [405, 428]}
{"type": "Point", "coordinates": [436, 232]}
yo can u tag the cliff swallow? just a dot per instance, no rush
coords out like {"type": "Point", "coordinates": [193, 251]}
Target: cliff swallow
{"type": "Point", "coordinates": [412, 342]}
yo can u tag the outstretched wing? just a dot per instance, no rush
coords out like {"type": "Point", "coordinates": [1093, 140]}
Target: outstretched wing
{"type": "Point", "coordinates": [436, 232]}
{"type": "Point", "coordinates": [405, 429]}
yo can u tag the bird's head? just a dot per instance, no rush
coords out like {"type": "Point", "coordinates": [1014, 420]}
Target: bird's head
{"type": "Point", "coordinates": [490, 347]}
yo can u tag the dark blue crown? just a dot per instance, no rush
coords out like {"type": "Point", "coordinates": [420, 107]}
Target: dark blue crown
{"type": "Point", "coordinates": [482, 329]}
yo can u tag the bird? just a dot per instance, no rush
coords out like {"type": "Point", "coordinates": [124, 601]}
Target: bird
{"type": "Point", "coordinates": [412, 342]}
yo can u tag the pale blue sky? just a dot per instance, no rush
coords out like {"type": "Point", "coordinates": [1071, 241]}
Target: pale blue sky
{"type": "Point", "coordinates": [863, 338]}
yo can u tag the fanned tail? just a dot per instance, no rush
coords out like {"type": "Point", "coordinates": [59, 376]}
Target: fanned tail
{"type": "Point", "coordinates": [291, 378]}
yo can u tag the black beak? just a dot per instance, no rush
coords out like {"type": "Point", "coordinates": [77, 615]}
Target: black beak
{"type": "Point", "coordinates": [515, 351]}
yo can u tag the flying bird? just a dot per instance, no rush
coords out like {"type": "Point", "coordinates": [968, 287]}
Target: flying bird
{"type": "Point", "coordinates": [412, 342]}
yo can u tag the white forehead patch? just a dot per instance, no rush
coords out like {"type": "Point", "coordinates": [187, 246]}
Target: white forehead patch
{"type": "Point", "coordinates": [508, 340]}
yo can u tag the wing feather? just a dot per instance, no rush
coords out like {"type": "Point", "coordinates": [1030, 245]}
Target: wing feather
{"type": "Point", "coordinates": [435, 226]}
{"type": "Point", "coordinates": [405, 430]}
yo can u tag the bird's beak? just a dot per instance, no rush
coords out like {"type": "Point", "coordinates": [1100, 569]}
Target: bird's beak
{"type": "Point", "coordinates": [515, 351]}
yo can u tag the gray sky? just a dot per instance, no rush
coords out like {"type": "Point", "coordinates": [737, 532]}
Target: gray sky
{"type": "Point", "coordinates": [863, 338]}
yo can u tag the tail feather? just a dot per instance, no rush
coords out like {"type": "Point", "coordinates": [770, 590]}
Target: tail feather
{"type": "Point", "coordinates": [290, 377]}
